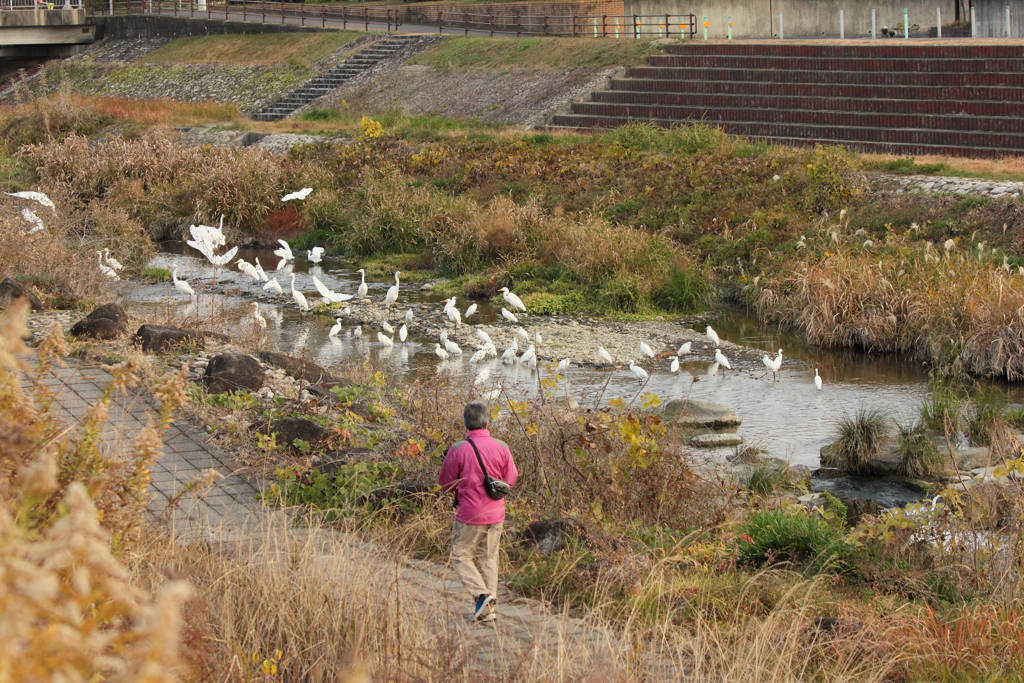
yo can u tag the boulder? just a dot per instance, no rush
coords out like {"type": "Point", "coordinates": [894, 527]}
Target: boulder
{"type": "Point", "coordinates": [332, 462]}
{"type": "Point", "coordinates": [549, 536]}
{"type": "Point", "coordinates": [231, 372]}
{"type": "Point", "coordinates": [108, 321]}
{"type": "Point", "coordinates": [887, 463]}
{"type": "Point", "coordinates": [716, 440]}
{"type": "Point", "coordinates": [11, 289]}
{"type": "Point", "coordinates": [857, 508]}
{"type": "Point", "coordinates": [692, 413]}
{"type": "Point", "coordinates": [976, 457]}
{"type": "Point", "coordinates": [300, 368]}
{"type": "Point", "coordinates": [291, 428]}
{"type": "Point", "coordinates": [157, 338]}
{"type": "Point", "coordinates": [829, 473]}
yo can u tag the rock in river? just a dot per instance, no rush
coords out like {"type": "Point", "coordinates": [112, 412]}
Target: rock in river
{"type": "Point", "coordinates": [700, 414]}
{"type": "Point", "coordinates": [157, 338]}
{"type": "Point", "coordinates": [716, 440]}
{"type": "Point", "coordinates": [108, 321]}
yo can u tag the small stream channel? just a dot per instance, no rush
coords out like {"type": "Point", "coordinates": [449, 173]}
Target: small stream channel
{"type": "Point", "coordinates": [788, 418]}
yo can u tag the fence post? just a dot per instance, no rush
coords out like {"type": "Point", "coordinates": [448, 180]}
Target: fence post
{"type": "Point", "coordinates": [938, 22]}
{"type": "Point", "coordinates": [636, 26]}
{"type": "Point", "coordinates": [595, 27]}
{"type": "Point", "coordinates": [682, 28]}
{"type": "Point", "coordinates": [366, 19]}
{"type": "Point", "coordinates": [906, 23]}
{"type": "Point", "coordinates": [465, 23]}
{"type": "Point", "coordinates": [974, 29]}
{"type": "Point", "coordinates": [574, 26]}
{"type": "Point", "coordinates": [780, 26]}
{"type": "Point", "coordinates": [440, 22]}
{"type": "Point", "coordinates": [518, 27]}
{"type": "Point", "coordinates": [490, 18]}
{"type": "Point", "coordinates": [1007, 21]}
{"type": "Point", "coordinates": [344, 18]}
{"type": "Point", "coordinates": [303, 15]}
{"type": "Point", "coordinates": [730, 28]}
{"type": "Point", "coordinates": [706, 24]}
{"type": "Point", "coordinates": [616, 28]}
{"type": "Point", "coordinates": [323, 16]}
{"type": "Point", "coordinates": [842, 26]}
{"type": "Point", "coordinates": [545, 24]}
{"type": "Point", "coordinates": [604, 25]}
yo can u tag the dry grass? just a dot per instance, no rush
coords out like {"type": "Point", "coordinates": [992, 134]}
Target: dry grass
{"type": "Point", "coordinates": [160, 113]}
{"type": "Point", "coordinates": [295, 49]}
{"type": "Point", "coordinates": [986, 168]}
{"type": "Point", "coordinates": [458, 52]}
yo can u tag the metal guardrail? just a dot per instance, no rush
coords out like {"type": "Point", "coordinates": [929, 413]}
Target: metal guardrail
{"type": "Point", "coordinates": [346, 17]}
{"type": "Point", "coordinates": [576, 26]}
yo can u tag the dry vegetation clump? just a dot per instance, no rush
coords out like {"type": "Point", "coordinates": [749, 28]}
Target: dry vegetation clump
{"type": "Point", "coordinates": [70, 610]}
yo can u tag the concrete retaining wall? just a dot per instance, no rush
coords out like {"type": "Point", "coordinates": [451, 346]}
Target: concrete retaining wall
{"type": "Point", "coordinates": [990, 16]}
{"type": "Point", "coordinates": [760, 18]}
{"type": "Point", "coordinates": [149, 26]}
{"type": "Point", "coordinates": [426, 13]}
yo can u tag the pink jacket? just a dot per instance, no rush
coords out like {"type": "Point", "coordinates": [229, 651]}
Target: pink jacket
{"type": "Point", "coordinates": [461, 471]}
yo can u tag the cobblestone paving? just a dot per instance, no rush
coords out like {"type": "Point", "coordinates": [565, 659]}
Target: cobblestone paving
{"type": "Point", "coordinates": [231, 514]}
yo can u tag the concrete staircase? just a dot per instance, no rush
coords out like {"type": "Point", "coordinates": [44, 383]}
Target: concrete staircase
{"type": "Point", "coordinates": [333, 79]}
{"type": "Point", "coordinates": [963, 100]}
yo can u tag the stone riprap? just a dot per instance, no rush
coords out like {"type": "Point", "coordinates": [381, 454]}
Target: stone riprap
{"type": "Point", "coordinates": [936, 184]}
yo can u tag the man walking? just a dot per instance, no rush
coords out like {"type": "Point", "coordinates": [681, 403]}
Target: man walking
{"type": "Point", "coordinates": [476, 533]}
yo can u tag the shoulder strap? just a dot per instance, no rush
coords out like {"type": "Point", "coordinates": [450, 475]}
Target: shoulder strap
{"type": "Point", "coordinates": [478, 458]}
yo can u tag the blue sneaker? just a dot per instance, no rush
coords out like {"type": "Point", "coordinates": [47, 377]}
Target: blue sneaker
{"type": "Point", "coordinates": [482, 603]}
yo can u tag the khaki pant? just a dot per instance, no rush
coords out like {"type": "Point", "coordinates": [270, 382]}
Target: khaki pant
{"type": "Point", "coordinates": [473, 545]}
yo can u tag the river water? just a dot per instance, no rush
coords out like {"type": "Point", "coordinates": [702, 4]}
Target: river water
{"type": "Point", "coordinates": [788, 417]}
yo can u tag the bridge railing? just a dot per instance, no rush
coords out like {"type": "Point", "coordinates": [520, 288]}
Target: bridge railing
{"type": "Point", "coordinates": [390, 19]}
{"type": "Point", "coordinates": [12, 5]}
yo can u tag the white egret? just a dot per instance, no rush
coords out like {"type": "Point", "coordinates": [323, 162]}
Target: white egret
{"type": "Point", "coordinates": [38, 197]}
{"type": "Point", "coordinates": [777, 363]}
{"type": "Point", "coordinates": [509, 354]}
{"type": "Point", "coordinates": [441, 353]}
{"type": "Point", "coordinates": [274, 286]}
{"type": "Point", "coordinates": [258, 320]}
{"type": "Point", "coordinates": [384, 340]}
{"type": "Point", "coordinates": [493, 394]}
{"type": "Point", "coordinates": [769, 363]}
{"type": "Point", "coordinates": [722, 360]}
{"type": "Point", "coordinates": [455, 316]}
{"type": "Point", "coordinates": [484, 337]}
{"type": "Point", "coordinates": [259, 270]}
{"type": "Point", "coordinates": [533, 363]}
{"type": "Point", "coordinates": [674, 365]}
{"type": "Point", "coordinates": [329, 294]}
{"type": "Point", "coordinates": [300, 195]}
{"type": "Point", "coordinates": [31, 217]}
{"type": "Point", "coordinates": [392, 295]}
{"type": "Point", "coordinates": [106, 270]}
{"type": "Point", "coordinates": [361, 292]}
{"type": "Point", "coordinates": [537, 338]}
{"type": "Point", "coordinates": [299, 297]}
{"type": "Point", "coordinates": [817, 379]}
{"type": "Point", "coordinates": [482, 376]}
{"type": "Point", "coordinates": [452, 347]}
{"type": "Point", "coordinates": [509, 316]}
{"type": "Point", "coordinates": [604, 355]}
{"type": "Point", "coordinates": [281, 264]}
{"type": "Point", "coordinates": [336, 329]}
{"type": "Point", "coordinates": [638, 371]}
{"type": "Point", "coordinates": [180, 285]}
{"type": "Point", "coordinates": [520, 332]}
{"type": "Point", "coordinates": [443, 336]}
{"type": "Point", "coordinates": [387, 327]}
{"type": "Point", "coordinates": [646, 350]}
{"type": "Point", "coordinates": [111, 261]}
{"type": "Point", "coordinates": [512, 300]}
{"type": "Point", "coordinates": [403, 333]}
{"type": "Point", "coordinates": [315, 255]}
{"type": "Point", "coordinates": [478, 356]}
{"type": "Point", "coordinates": [713, 336]}
{"type": "Point", "coordinates": [408, 316]}
{"type": "Point", "coordinates": [249, 270]}
{"type": "Point", "coordinates": [285, 251]}
{"type": "Point", "coordinates": [491, 350]}
{"type": "Point", "coordinates": [358, 332]}
{"type": "Point", "coordinates": [684, 349]}
{"type": "Point", "coordinates": [471, 310]}
{"type": "Point", "coordinates": [564, 364]}
{"type": "Point", "coordinates": [528, 355]}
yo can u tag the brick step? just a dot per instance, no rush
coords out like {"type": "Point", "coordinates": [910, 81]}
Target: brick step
{"type": "Point", "coordinates": [872, 63]}
{"type": "Point", "coordinates": [642, 112]}
{"type": "Point", "coordinates": [1012, 143]}
{"type": "Point", "coordinates": [836, 104]}
{"type": "Point", "coordinates": [993, 94]}
{"type": "Point", "coordinates": [835, 77]}
{"type": "Point", "coordinates": [881, 50]}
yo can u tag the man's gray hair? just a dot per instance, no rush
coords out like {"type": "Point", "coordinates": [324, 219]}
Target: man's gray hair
{"type": "Point", "coordinates": [476, 415]}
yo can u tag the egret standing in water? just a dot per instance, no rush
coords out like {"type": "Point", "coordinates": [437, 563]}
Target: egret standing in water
{"type": "Point", "coordinates": [674, 365]}
{"type": "Point", "coordinates": [684, 349]}
{"type": "Point", "coordinates": [403, 333]}
{"type": "Point", "coordinates": [259, 270]}
{"type": "Point", "coordinates": [604, 355]}
{"type": "Point", "coordinates": [258, 320]}
{"type": "Point", "coordinates": [713, 336]}
{"type": "Point", "coordinates": [274, 286]}
{"type": "Point", "coordinates": [441, 353]}
{"type": "Point", "coordinates": [471, 310]}
{"type": "Point", "coordinates": [361, 292]}
{"type": "Point", "coordinates": [299, 297]}
{"type": "Point", "coordinates": [181, 285]}
{"type": "Point", "coordinates": [646, 350]}
{"type": "Point", "coordinates": [336, 329]}
{"type": "Point", "coordinates": [392, 295]}
{"type": "Point", "coordinates": [817, 379]}
{"type": "Point", "coordinates": [722, 360]}
{"type": "Point", "coordinates": [638, 372]}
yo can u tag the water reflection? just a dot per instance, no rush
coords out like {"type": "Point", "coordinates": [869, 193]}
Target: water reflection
{"type": "Point", "coordinates": [789, 417]}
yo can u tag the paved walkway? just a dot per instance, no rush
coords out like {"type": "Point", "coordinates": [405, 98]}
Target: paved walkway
{"type": "Point", "coordinates": [529, 636]}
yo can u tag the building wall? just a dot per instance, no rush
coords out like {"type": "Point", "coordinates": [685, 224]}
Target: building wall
{"type": "Point", "coordinates": [990, 17]}
{"type": "Point", "coordinates": [760, 18]}
{"type": "Point", "coordinates": [426, 13]}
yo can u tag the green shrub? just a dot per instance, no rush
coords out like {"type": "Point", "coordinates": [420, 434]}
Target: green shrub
{"type": "Point", "coordinates": [543, 303]}
{"type": "Point", "coordinates": [765, 480]}
{"type": "Point", "coordinates": [344, 491]}
{"type": "Point", "coordinates": [804, 540]}
{"type": "Point", "coordinates": [986, 423]}
{"type": "Point", "coordinates": [153, 275]}
{"type": "Point", "coordinates": [838, 508]}
{"type": "Point", "coordinates": [919, 456]}
{"type": "Point", "coordinates": [860, 438]}
{"type": "Point", "coordinates": [943, 412]}
{"type": "Point", "coordinates": [688, 290]}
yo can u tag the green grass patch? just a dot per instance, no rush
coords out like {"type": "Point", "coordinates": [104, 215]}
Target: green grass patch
{"type": "Point", "coordinates": [805, 540]}
{"type": "Point", "coordinates": [153, 275]}
{"type": "Point", "coordinates": [557, 52]}
{"type": "Point", "coordinates": [299, 50]}
{"type": "Point", "coordinates": [411, 266]}
{"type": "Point", "coordinates": [909, 166]}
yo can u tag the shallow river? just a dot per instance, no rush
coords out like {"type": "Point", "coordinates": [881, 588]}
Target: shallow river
{"type": "Point", "coordinates": [788, 417]}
